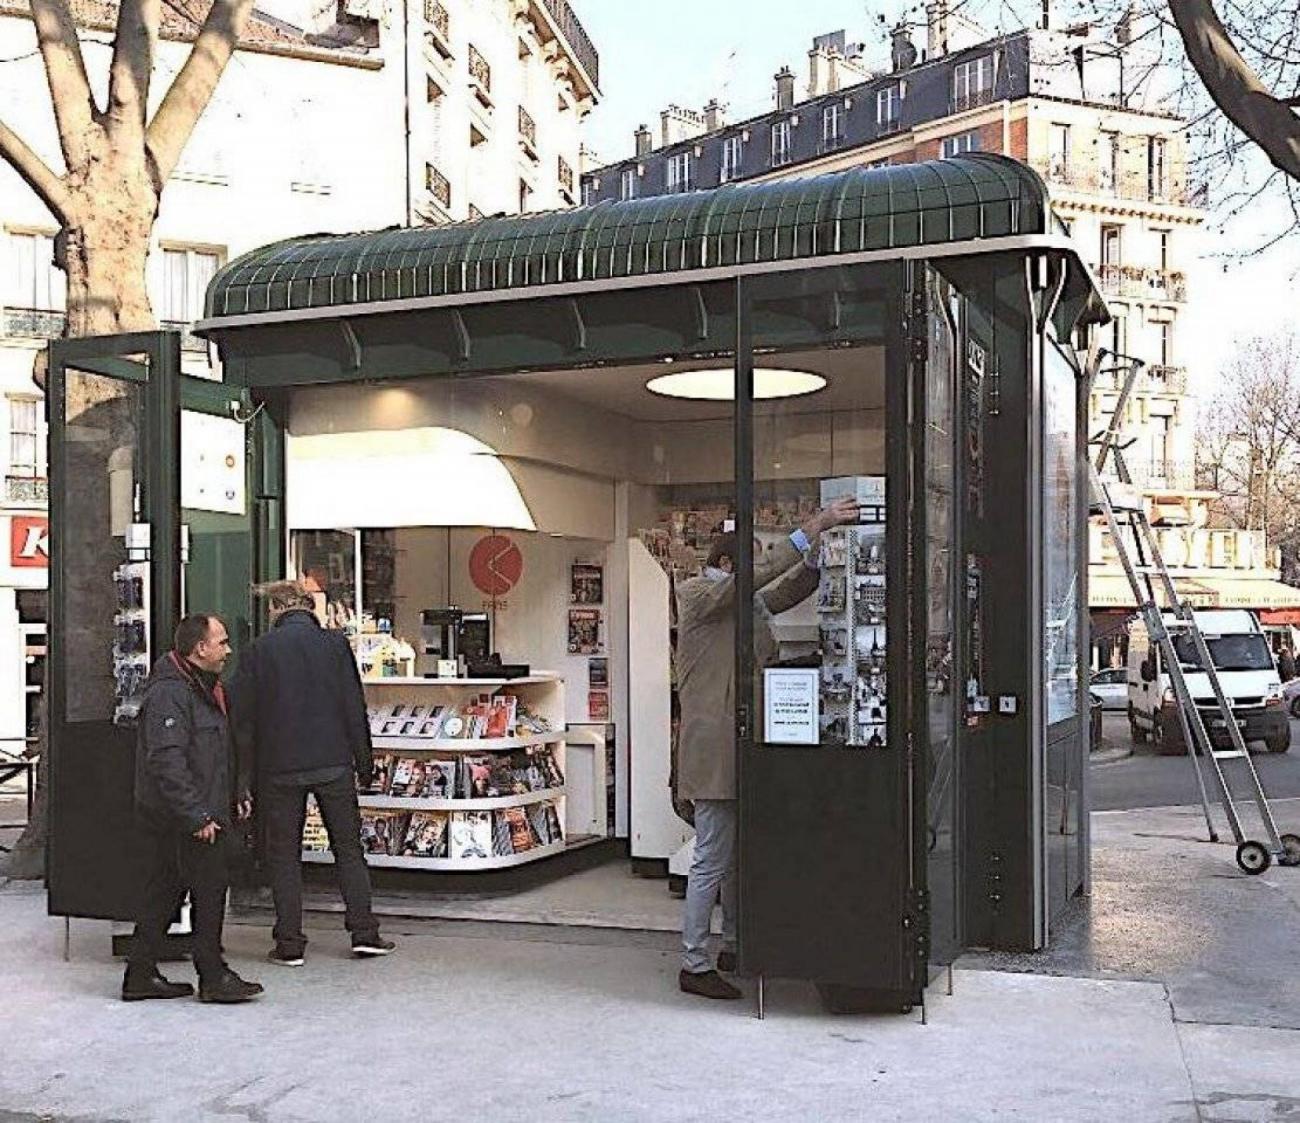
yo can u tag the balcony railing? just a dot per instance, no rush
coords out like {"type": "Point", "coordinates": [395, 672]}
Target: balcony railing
{"type": "Point", "coordinates": [527, 128]}
{"type": "Point", "coordinates": [1168, 475]}
{"type": "Point", "coordinates": [479, 70]}
{"type": "Point", "coordinates": [1167, 379]}
{"type": "Point", "coordinates": [34, 323]}
{"type": "Point", "coordinates": [565, 174]}
{"type": "Point", "coordinates": [438, 185]}
{"type": "Point", "coordinates": [1138, 282]}
{"type": "Point", "coordinates": [972, 99]}
{"type": "Point", "coordinates": [577, 37]}
{"type": "Point", "coordinates": [27, 489]}
{"type": "Point", "coordinates": [1133, 187]}
{"type": "Point", "coordinates": [438, 18]}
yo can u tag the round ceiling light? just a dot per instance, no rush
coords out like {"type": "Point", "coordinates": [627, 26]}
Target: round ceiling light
{"type": "Point", "coordinates": [718, 384]}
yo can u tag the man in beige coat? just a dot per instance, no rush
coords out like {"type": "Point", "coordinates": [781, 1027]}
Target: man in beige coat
{"type": "Point", "coordinates": [706, 659]}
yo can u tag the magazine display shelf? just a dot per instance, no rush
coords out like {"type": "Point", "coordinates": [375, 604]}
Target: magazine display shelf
{"type": "Point", "coordinates": [542, 694]}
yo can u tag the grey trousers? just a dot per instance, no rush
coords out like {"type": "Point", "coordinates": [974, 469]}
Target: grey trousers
{"type": "Point", "coordinates": [713, 875]}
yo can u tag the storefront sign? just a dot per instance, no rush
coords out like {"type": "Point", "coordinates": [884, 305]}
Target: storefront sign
{"type": "Point", "coordinates": [29, 542]}
{"type": "Point", "coordinates": [790, 706]}
{"type": "Point", "coordinates": [495, 565]}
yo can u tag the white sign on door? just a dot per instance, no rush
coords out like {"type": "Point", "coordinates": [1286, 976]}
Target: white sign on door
{"type": "Point", "coordinates": [212, 463]}
{"type": "Point", "coordinates": [791, 706]}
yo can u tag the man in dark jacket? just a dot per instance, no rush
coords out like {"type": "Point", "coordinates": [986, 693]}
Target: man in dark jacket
{"type": "Point", "coordinates": [301, 727]}
{"type": "Point", "coordinates": [183, 814]}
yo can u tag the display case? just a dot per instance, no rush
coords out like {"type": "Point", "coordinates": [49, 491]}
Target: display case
{"type": "Point", "coordinates": [470, 774]}
{"type": "Point", "coordinates": [851, 618]}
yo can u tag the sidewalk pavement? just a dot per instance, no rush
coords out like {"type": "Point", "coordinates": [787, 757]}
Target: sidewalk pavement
{"type": "Point", "coordinates": [483, 1025]}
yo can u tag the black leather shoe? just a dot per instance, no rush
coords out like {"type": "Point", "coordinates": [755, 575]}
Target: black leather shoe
{"type": "Point", "coordinates": [707, 984]}
{"type": "Point", "coordinates": [227, 988]}
{"type": "Point", "coordinates": [727, 962]}
{"type": "Point", "coordinates": [372, 947]}
{"type": "Point", "coordinates": [140, 988]}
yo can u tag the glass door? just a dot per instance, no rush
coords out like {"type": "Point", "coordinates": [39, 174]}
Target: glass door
{"type": "Point", "coordinates": [830, 885]}
{"type": "Point", "coordinates": [114, 430]}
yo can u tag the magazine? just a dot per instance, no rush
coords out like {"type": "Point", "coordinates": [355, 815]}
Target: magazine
{"type": "Point", "coordinates": [381, 776]}
{"type": "Point", "coordinates": [598, 705]}
{"type": "Point", "coordinates": [520, 832]}
{"type": "Point", "coordinates": [541, 825]}
{"type": "Point", "coordinates": [501, 716]}
{"type": "Point", "coordinates": [314, 835]}
{"type": "Point", "coordinates": [584, 631]}
{"type": "Point", "coordinates": [409, 777]}
{"type": "Point", "coordinates": [476, 776]}
{"type": "Point", "coordinates": [588, 584]}
{"type": "Point", "coordinates": [381, 831]}
{"type": "Point", "coordinates": [470, 834]}
{"type": "Point", "coordinates": [598, 673]}
{"type": "Point", "coordinates": [501, 836]}
{"type": "Point", "coordinates": [439, 780]}
{"type": "Point", "coordinates": [426, 835]}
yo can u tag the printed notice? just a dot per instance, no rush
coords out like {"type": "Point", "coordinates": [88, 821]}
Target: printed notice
{"type": "Point", "coordinates": [791, 705]}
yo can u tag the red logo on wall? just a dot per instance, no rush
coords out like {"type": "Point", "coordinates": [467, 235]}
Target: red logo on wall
{"type": "Point", "coordinates": [495, 565]}
{"type": "Point", "coordinates": [29, 542]}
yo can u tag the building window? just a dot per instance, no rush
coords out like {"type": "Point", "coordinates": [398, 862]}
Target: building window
{"type": "Point", "coordinates": [833, 125]}
{"type": "Point", "coordinates": [34, 281]}
{"type": "Point", "coordinates": [733, 155]}
{"type": "Point", "coordinates": [590, 191]}
{"type": "Point", "coordinates": [962, 142]}
{"type": "Point", "coordinates": [186, 274]}
{"type": "Point", "coordinates": [1108, 174]}
{"type": "Point", "coordinates": [1119, 331]}
{"type": "Point", "coordinates": [973, 82]}
{"type": "Point", "coordinates": [1163, 235]}
{"type": "Point", "coordinates": [1160, 446]}
{"type": "Point", "coordinates": [1166, 329]}
{"type": "Point", "coordinates": [438, 185]}
{"type": "Point", "coordinates": [1156, 170]}
{"type": "Point", "coordinates": [889, 107]}
{"type": "Point", "coordinates": [26, 448]}
{"type": "Point", "coordinates": [681, 171]}
{"type": "Point", "coordinates": [1111, 246]}
{"type": "Point", "coordinates": [526, 196]}
{"type": "Point", "coordinates": [1058, 152]}
{"type": "Point", "coordinates": [781, 143]}
{"type": "Point", "coordinates": [627, 184]}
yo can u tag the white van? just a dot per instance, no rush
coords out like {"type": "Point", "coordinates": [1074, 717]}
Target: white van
{"type": "Point", "coordinates": [1247, 674]}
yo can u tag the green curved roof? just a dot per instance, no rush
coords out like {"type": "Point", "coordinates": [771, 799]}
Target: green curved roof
{"type": "Point", "coordinates": [957, 200]}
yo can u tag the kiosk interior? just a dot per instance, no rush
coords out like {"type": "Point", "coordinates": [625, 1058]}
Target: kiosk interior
{"type": "Point", "coordinates": [495, 449]}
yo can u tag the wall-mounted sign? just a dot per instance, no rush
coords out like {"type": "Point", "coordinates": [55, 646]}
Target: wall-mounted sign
{"type": "Point", "coordinates": [212, 463]}
{"type": "Point", "coordinates": [29, 542]}
{"type": "Point", "coordinates": [495, 565]}
{"type": "Point", "coordinates": [791, 705]}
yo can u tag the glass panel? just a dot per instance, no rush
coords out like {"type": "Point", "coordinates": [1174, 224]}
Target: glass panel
{"type": "Point", "coordinates": [938, 514]}
{"type": "Point", "coordinates": [104, 648]}
{"type": "Point", "coordinates": [1060, 536]}
{"type": "Point", "coordinates": [327, 561]}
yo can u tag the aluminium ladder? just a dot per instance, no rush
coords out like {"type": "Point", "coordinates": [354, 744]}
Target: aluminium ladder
{"type": "Point", "coordinates": [1148, 576]}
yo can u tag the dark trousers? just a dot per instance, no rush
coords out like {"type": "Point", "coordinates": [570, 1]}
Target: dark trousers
{"type": "Point", "coordinates": [284, 805]}
{"type": "Point", "coordinates": [171, 862]}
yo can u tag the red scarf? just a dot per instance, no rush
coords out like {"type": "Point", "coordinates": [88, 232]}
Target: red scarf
{"type": "Point", "coordinates": [218, 692]}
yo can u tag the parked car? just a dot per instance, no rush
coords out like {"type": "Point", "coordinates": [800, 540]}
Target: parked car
{"type": "Point", "coordinates": [1111, 686]}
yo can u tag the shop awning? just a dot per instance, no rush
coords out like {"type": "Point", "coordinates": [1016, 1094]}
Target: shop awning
{"type": "Point", "coordinates": [977, 198]}
{"type": "Point", "coordinates": [1110, 590]}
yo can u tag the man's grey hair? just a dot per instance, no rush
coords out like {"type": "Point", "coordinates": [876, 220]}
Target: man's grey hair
{"type": "Point", "coordinates": [283, 596]}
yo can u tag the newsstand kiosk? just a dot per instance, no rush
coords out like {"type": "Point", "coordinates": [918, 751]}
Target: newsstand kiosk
{"type": "Point", "coordinates": [600, 390]}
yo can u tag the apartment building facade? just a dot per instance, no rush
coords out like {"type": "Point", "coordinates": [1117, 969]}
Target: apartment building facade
{"type": "Point", "coordinates": [1116, 165]}
{"type": "Point", "coordinates": [331, 117]}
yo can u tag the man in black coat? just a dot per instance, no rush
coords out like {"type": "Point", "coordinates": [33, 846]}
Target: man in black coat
{"type": "Point", "coordinates": [184, 810]}
{"type": "Point", "coordinates": [301, 728]}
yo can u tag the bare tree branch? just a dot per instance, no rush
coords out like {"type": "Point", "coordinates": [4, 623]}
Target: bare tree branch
{"type": "Point", "coordinates": [65, 71]}
{"type": "Point", "coordinates": [132, 67]}
{"type": "Point", "coordinates": [1235, 87]}
{"type": "Point", "coordinates": [33, 170]}
{"type": "Point", "coordinates": [193, 87]}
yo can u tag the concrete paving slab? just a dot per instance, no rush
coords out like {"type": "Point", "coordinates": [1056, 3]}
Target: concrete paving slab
{"type": "Point", "coordinates": [497, 1029]}
{"type": "Point", "coordinates": [1244, 1074]}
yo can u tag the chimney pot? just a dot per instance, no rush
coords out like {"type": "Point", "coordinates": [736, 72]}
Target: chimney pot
{"type": "Point", "coordinates": [642, 135]}
{"type": "Point", "coordinates": [785, 88]}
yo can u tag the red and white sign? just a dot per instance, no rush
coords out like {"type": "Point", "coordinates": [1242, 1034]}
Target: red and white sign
{"type": "Point", "coordinates": [495, 565]}
{"type": "Point", "coordinates": [29, 542]}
